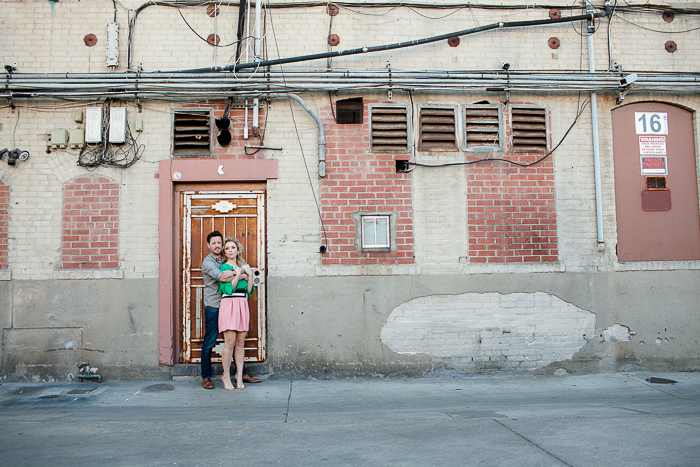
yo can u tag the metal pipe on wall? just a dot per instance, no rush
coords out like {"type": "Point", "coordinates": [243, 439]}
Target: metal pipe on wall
{"type": "Point", "coordinates": [596, 145]}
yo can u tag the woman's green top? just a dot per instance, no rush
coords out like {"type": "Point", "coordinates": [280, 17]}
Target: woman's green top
{"type": "Point", "coordinates": [227, 288]}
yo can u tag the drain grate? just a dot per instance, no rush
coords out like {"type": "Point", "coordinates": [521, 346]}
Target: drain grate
{"type": "Point", "coordinates": [50, 396]}
{"type": "Point", "coordinates": [158, 387]}
{"type": "Point", "coordinates": [655, 380]}
{"type": "Point", "coordinates": [81, 391]}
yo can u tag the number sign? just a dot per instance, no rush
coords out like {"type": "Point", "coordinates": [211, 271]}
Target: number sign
{"type": "Point", "coordinates": [651, 123]}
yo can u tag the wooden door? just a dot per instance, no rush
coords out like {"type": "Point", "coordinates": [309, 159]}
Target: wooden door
{"type": "Point", "coordinates": [237, 214]}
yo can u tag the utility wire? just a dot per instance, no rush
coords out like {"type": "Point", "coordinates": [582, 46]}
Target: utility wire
{"type": "Point", "coordinates": [399, 45]}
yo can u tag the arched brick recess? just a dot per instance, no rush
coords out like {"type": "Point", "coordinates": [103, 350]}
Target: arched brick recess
{"type": "Point", "coordinates": [90, 228]}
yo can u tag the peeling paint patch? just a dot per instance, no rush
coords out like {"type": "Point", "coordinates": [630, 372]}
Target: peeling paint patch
{"type": "Point", "coordinates": [490, 330]}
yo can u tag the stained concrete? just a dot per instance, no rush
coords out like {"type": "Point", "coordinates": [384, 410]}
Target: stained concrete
{"type": "Point", "coordinates": [331, 325]}
{"type": "Point", "coordinates": [326, 327]}
{"type": "Point", "coordinates": [576, 420]}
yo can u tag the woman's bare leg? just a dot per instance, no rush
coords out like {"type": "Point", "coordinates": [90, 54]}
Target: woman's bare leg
{"type": "Point", "coordinates": [239, 355]}
{"type": "Point", "coordinates": [226, 354]}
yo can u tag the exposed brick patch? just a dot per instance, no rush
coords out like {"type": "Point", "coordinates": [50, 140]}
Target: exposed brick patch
{"type": "Point", "coordinates": [236, 150]}
{"type": "Point", "coordinates": [90, 223]}
{"type": "Point", "coordinates": [510, 209]}
{"type": "Point", "coordinates": [4, 223]}
{"type": "Point", "coordinates": [359, 180]}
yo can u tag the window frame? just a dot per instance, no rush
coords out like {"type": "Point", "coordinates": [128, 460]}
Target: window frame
{"type": "Point", "coordinates": [182, 110]}
{"type": "Point", "coordinates": [358, 217]}
{"type": "Point", "coordinates": [454, 108]}
{"type": "Point", "coordinates": [409, 120]}
{"type": "Point", "coordinates": [512, 131]}
{"type": "Point", "coordinates": [501, 129]}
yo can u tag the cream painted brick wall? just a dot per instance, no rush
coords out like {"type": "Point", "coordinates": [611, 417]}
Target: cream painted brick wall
{"type": "Point", "coordinates": [37, 184]}
{"type": "Point", "coordinates": [43, 37]}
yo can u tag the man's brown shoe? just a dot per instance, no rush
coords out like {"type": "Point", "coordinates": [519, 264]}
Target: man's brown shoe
{"type": "Point", "coordinates": [207, 384]}
{"type": "Point", "coordinates": [249, 379]}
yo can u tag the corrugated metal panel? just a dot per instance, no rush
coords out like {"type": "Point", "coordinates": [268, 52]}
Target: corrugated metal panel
{"type": "Point", "coordinates": [192, 133]}
{"type": "Point", "coordinates": [529, 129]}
{"type": "Point", "coordinates": [437, 130]}
{"type": "Point", "coordinates": [389, 130]}
{"type": "Point", "coordinates": [482, 127]}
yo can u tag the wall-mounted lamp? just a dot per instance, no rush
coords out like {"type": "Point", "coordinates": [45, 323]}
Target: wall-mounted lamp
{"type": "Point", "coordinates": [14, 155]}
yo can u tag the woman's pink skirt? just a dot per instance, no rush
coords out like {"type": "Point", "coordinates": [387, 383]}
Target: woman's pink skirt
{"type": "Point", "coordinates": [234, 314]}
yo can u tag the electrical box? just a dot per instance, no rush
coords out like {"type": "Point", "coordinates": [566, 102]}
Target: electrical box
{"type": "Point", "coordinates": [113, 44]}
{"type": "Point", "coordinates": [93, 125]}
{"type": "Point", "coordinates": [59, 138]}
{"type": "Point", "coordinates": [77, 138]}
{"type": "Point", "coordinates": [78, 116]}
{"type": "Point", "coordinates": [117, 125]}
{"type": "Point", "coordinates": [139, 125]}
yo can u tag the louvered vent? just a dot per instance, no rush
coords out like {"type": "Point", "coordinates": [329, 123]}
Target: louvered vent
{"type": "Point", "coordinates": [482, 127]}
{"type": "Point", "coordinates": [389, 129]}
{"type": "Point", "coordinates": [192, 133]}
{"type": "Point", "coordinates": [529, 129]}
{"type": "Point", "coordinates": [437, 129]}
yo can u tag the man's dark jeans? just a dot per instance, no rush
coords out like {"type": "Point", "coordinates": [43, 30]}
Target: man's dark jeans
{"type": "Point", "coordinates": [211, 330]}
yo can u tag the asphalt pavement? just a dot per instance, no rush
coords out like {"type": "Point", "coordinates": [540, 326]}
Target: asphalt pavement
{"type": "Point", "coordinates": [618, 419]}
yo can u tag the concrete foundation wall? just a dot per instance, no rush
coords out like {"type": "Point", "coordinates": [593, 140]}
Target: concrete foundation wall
{"type": "Point", "coordinates": [347, 326]}
{"type": "Point", "coordinates": [51, 326]}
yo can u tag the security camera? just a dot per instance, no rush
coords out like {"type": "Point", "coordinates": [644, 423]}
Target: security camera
{"type": "Point", "coordinates": [629, 79]}
{"type": "Point", "coordinates": [505, 66]}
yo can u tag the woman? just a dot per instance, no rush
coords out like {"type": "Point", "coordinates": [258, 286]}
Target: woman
{"type": "Point", "coordinates": [234, 314]}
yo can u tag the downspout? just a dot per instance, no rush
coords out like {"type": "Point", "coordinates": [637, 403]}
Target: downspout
{"type": "Point", "coordinates": [596, 145]}
{"type": "Point", "coordinates": [321, 136]}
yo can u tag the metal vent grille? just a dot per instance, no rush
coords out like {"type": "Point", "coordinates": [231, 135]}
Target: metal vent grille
{"type": "Point", "coordinates": [389, 131]}
{"type": "Point", "coordinates": [437, 130]}
{"type": "Point", "coordinates": [529, 129]}
{"type": "Point", "coordinates": [483, 128]}
{"type": "Point", "coordinates": [192, 133]}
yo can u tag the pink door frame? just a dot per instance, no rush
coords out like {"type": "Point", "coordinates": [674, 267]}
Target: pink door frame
{"type": "Point", "coordinates": [189, 171]}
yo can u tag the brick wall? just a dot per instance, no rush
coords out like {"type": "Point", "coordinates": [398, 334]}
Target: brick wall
{"type": "Point", "coordinates": [4, 222]}
{"type": "Point", "coordinates": [90, 223]}
{"type": "Point", "coordinates": [358, 180]}
{"type": "Point", "coordinates": [236, 150]}
{"type": "Point", "coordinates": [511, 210]}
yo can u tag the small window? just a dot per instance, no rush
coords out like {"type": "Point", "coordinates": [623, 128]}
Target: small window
{"type": "Point", "coordinates": [191, 133]}
{"type": "Point", "coordinates": [529, 126]}
{"type": "Point", "coordinates": [482, 128]}
{"type": "Point", "coordinates": [349, 111]}
{"type": "Point", "coordinates": [437, 129]}
{"type": "Point", "coordinates": [655, 183]}
{"type": "Point", "coordinates": [375, 232]}
{"type": "Point", "coordinates": [389, 128]}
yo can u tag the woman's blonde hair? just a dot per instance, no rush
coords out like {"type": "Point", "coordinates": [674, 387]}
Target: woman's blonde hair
{"type": "Point", "coordinates": [239, 257]}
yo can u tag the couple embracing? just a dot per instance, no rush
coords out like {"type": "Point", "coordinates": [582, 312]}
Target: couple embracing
{"type": "Point", "coordinates": [228, 283]}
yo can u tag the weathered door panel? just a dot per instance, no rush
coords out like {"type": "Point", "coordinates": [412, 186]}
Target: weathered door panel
{"type": "Point", "coordinates": [646, 232]}
{"type": "Point", "coordinates": [237, 214]}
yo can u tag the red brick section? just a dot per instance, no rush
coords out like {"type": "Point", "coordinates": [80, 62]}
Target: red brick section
{"type": "Point", "coordinates": [90, 223]}
{"type": "Point", "coordinates": [4, 222]}
{"type": "Point", "coordinates": [511, 214]}
{"type": "Point", "coordinates": [360, 180]}
{"type": "Point", "coordinates": [235, 150]}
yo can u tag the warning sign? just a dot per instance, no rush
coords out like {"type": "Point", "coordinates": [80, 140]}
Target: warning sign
{"type": "Point", "coordinates": [652, 145]}
{"type": "Point", "coordinates": [654, 165]}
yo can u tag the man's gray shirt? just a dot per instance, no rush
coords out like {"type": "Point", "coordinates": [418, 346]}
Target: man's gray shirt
{"type": "Point", "coordinates": [211, 271]}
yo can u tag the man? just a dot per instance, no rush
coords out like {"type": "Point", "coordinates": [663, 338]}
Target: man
{"type": "Point", "coordinates": [211, 272]}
